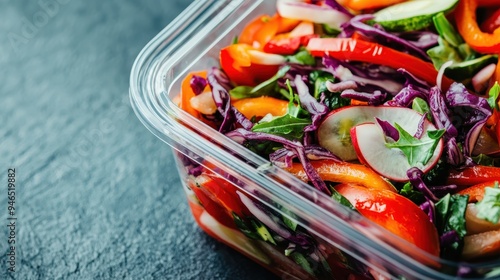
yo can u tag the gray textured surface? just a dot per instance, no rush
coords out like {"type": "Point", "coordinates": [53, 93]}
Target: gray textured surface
{"type": "Point", "coordinates": [96, 194]}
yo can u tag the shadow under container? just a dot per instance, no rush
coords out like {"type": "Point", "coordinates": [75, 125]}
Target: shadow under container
{"type": "Point", "coordinates": [242, 200]}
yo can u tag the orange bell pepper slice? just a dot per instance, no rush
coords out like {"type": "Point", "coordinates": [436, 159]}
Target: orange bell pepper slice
{"type": "Point", "coordinates": [476, 192]}
{"type": "Point", "coordinates": [468, 27]}
{"type": "Point", "coordinates": [261, 106]}
{"type": "Point", "coordinates": [343, 172]}
{"type": "Point", "coordinates": [369, 4]}
{"type": "Point", "coordinates": [187, 93]}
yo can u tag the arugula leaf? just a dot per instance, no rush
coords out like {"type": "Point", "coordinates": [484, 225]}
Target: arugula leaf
{"type": "Point", "coordinates": [286, 126]}
{"type": "Point", "coordinates": [486, 160]}
{"type": "Point", "coordinates": [416, 150]}
{"type": "Point", "coordinates": [409, 192]}
{"type": "Point", "coordinates": [450, 216]}
{"type": "Point", "coordinates": [422, 107]}
{"type": "Point", "coordinates": [341, 199]}
{"type": "Point", "coordinates": [265, 88]}
{"type": "Point", "coordinates": [493, 96]}
{"type": "Point", "coordinates": [489, 208]}
{"type": "Point", "coordinates": [303, 56]}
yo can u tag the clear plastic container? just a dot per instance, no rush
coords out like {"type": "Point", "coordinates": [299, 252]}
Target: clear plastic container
{"type": "Point", "coordinates": [339, 243]}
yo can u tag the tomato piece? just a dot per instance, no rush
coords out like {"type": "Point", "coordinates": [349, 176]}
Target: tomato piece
{"type": "Point", "coordinates": [474, 175]}
{"type": "Point", "coordinates": [476, 192]}
{"type": "Point", "coordinates": [223, 192]}
{"type": "Point", "coordinates": [394, 212]}
{"type": "Point", "coordinates": [343, 172]}
{"type": "Point", "coordinates": [237, 63]}
{"type": "Point", "coordinates": [363, 51]}
{"type": "Point", "coordinates": [492, 22]}
{"type": "Point", "coordinates": [261, 106]}
{"type": "Point", "coordinates": [211, 206]}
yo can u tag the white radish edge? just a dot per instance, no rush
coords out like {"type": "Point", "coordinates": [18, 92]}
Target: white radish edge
{"type": "Point", "coordinates": [480, 80]}
{"type": "Point", "coordinates": [296, 9]}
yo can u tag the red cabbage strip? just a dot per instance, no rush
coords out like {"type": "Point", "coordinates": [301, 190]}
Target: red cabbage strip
{"type": "Point", "coordinates": [284, 157]}
{"type": "Point", "coordinates": [357, 24]}
{"type": "Point", "coordinates": [405, 97]}
{"type": "Point", "coordinates": [429, 208]}
{"type": "Point", "coordinates": [315, 108]}
{"type": "Point", "coordinates": [441, 113]}
{"type": "Point", "coordinates": [448, 238]}
{"type": "Point", "coordinates": [198, 84]}
{"type": "Point", "coordinates": [241, 135]}
{"type": "Point", "coordinates": [420, 127]}
{"type": "Point", "coordinates": [441, 191]}
{"type": "Point", "coordinates": [336, 6]}
{"type": "Point", "coordinates": [412, 80]}
{"type": "Point", "coordinates": [421, 39]}
{"type": "Point", "coordinates": [220, 86]}
{"type": "Point", "coordinates": [416, 180]}
{"type": "Point", "coordinates": [375, 98]}
{"type": "Point", "coordinates": [388, 130]}
{"type": "Point", "coordinates": [454, 155]}
{"type": "Point", "coordinates": [337, 87]}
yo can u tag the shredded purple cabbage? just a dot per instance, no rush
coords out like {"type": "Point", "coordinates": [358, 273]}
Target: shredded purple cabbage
{"type": "Point", "coordinates": [406, 96]}
{"type": "Point", "coordinates": [356, 24]}
{"type": "Point", "coordinates": [420, 127]}
{"type": "Point", "coordinates": [241, 135]}
{"type": "Point", "coordinates": [198, 84]}
{"type": "Point", "coordinates": [421, 39]}
{"type": "Point", "coordinates": [416, 179]}
{"type": "Point", "coordinates": [336, 6]}
{"type": "Point", "coordinates": [470, 113]}
{"type": "Point", "coordinates": [388, 129]}
{"type": "Point", "coordinates": [454, 155]}
{"type": "Point", "coordinates": [375, 98]}
{"type": "Point", "coordinates": [341, 86]}
{"type": "Point", "coordinates": [220, 86]}
{"type": "Point", "coordinates": [429, 208]}
{"type": "Point", "coordinates": [308, 102]}
{"type": "Point", "coordinates": [441, 113]}
{"type": "Point", "coordinates": [441, 191]}
{"type": "Point", "coordinates": [448, 238]}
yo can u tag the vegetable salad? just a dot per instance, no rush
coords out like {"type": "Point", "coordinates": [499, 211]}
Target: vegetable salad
{"type": "Point", "coordinates": [390, 103]}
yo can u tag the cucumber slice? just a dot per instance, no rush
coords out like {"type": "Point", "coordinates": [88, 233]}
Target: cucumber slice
{"type": "Point", "coordinates": [412, 15]}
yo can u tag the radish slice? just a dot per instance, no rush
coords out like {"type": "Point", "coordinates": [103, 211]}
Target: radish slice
{"type": "Point", "coordinates": [334, 131]}
{"type": "Point", "coordinates": [296, 9]}
{"type": "Point", "coordinates": [369, 143]}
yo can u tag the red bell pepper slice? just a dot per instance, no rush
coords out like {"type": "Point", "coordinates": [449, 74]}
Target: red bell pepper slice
{"type": "Point", "coordinates": [476, 192]}
{"type": "Point", "coordinates": [492, 22]}
{"type": "Point", "coordinates": [359, 50]}
{"type": "Point", "coordinates": [468, 27]}
{"type": "Point", "coordinates": [474, 175]}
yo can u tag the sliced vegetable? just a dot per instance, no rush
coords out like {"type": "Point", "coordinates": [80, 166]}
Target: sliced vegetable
{"type": "Point", "coordinates": [334, 131]}
{"type": "Point", "coordinates": [369, 4]}
{"type": "Point", "coordinates": [261, 106]}
{"type": "Point", "coordinates": [474, 175]}
{"type": "Point", "coordinates": [481, 245]}
{"type": "Point", "coordinates": [301, 10]}
{"type": "Point", "coordinates": [467, 25]}
{"type": "Point", "coordinates": [334, 171]}
{"type": "Point", "coordinates": [476, 224]}
{"type": "Point", "coordinates": [187, 93]}
{"type": "Point", "coordinates": [394, 212]}
{"type": "Point", "coordinates": [393, 160]}
{"type": "Point", "coordinates": [412, 15]}
{"type": "Point", "coordinates": [492, 22]}
{"type": "Point", "coordinates": [358, 50]}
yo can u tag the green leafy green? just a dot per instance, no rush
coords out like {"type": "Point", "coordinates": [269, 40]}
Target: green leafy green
{"type": "Point", "coordinates": [303, 56]}
{"type": "Point", "coordinates": [416, 150]}
{"type": "Point", "coordinates": [302, 261]}
{"type": "Point", "coordinates": [341, 199]}
{"type": "Point", "coordinates": [267, 87]}
{"type": "Point", "coordinates": [286, 126]}
{"type": "Point", "coordinates": [493, 96]}
{"type": "Point", "coordinates": [244, 228]}
{"type": "Point", "coordinates": [489, 208]}
{"type": "Point", "coordinates": [409, 192]}
{"type": "Point", "coordinates": [422, 107]}
{"type": "Point", "coordinates": [450, 216]}
{"type": "Point", "coordinates": [483, 159]}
